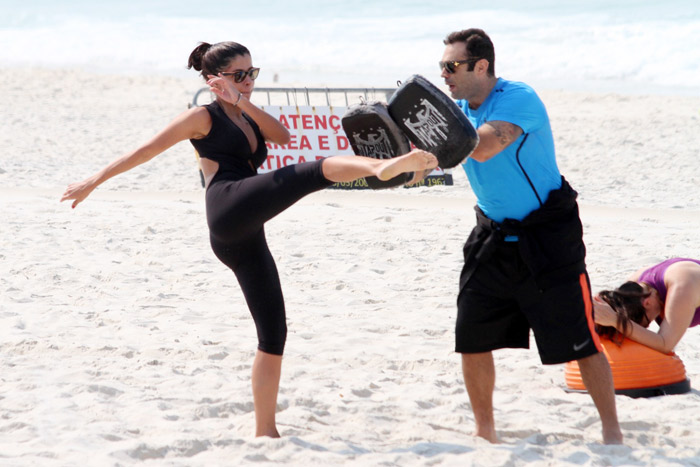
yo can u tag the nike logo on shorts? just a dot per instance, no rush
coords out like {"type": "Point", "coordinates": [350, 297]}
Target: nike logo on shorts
{"type": "Point", "coordinates": [578, 347]}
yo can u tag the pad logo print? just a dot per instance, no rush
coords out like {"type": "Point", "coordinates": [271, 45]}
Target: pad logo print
{"type": "Point", "coordinates": [431, 127]}
{"type": "Point", "coordinates": [377, 145]}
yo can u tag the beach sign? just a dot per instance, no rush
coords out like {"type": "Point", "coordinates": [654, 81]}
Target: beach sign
{"type": "Point", "coordinates": [316, 132]}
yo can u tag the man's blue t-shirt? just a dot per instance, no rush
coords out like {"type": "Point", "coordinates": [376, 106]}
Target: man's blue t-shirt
{"type": "Point", "coordinates": [501, 183]}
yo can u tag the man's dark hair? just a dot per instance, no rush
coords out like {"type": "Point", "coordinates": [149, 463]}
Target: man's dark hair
{"type": "Point", "coordinates": [478, 46]}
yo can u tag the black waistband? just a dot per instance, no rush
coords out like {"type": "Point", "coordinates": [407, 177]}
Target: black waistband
{"type": "Point", "coordinates": [550, 239]}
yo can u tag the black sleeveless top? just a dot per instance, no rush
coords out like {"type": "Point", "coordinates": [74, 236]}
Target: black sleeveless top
{"type": "Point", "coordinates": [228, 145]}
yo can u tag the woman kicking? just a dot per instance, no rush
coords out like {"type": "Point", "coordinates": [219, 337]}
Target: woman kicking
{"type": "Point", "coordinates": [230, 134]}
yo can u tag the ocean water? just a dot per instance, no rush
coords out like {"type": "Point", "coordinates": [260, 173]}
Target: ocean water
{"type": "Point", "coordinates": [628, 46]}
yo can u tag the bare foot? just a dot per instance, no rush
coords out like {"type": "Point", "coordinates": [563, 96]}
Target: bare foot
{"type": "Point", "coordinates": [271, 433]}
{"type": "Point", "coordinates": [614, 437]}
{"type": "Point", "coordinates": [415, 161]}
{"type": "Point", "coordinates": [489, 436]}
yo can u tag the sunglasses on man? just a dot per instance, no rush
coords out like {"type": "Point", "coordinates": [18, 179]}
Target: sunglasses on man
{"type": "Point", "coordinates": [239, 75]}
{"type": "Point", "coordinates": [450, 66]}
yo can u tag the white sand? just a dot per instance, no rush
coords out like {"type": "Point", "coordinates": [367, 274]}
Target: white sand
{"type": "Point", "coordinates": [124, 341]}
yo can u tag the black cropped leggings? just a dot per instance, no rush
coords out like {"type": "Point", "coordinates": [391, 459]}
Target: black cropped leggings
{"type": "Point", "coordinates": [236, 213]}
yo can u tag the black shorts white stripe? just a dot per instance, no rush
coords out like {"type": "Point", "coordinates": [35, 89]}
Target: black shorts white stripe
{"type": "Point", "coordinates": [501, 302]}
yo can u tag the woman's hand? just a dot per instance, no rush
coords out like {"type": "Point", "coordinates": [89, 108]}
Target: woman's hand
{"type": "Point", "coordinates": [603, 313]}
{"type": "Point", "coordinates": [224, 89]}
{"type": "Point", "coordinates": [79, 191]}
{"type": "Point", "coordinates": [271, 128]}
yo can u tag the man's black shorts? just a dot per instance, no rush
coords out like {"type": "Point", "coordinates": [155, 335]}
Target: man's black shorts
{"type": "Point", "coordinates": [501, 302]}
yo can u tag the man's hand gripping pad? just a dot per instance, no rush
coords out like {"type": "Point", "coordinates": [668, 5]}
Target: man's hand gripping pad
{"type": "Point", "coordinates": [433, 122]}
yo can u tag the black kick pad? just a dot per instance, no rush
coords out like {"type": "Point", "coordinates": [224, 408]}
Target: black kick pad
{"type": "Point", "coordinates": [373, 133]}
{"type": "Point", "coordinates": [433, 121]}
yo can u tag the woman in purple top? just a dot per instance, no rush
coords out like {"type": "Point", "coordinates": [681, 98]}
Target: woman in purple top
{"type": "Point", "coordinates": [668, 293]}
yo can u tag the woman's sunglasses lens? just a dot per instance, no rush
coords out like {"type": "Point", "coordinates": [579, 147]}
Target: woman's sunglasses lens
{"type": "Point", "coordinates": [239, 76]}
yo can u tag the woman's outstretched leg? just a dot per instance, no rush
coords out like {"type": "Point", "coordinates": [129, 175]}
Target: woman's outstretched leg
{"type": "Point", "coordinates": [260, 198]}
{"type": "Point", "coordinates": [349, 168]}
{"type": "Point", "coordinates": [266, 382]}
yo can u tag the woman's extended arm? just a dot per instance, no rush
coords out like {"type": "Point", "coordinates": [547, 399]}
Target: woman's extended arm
{"type": "Point", "coordinates": [192, 123]}
{"type": "Point", "coordinates": [682, 298]}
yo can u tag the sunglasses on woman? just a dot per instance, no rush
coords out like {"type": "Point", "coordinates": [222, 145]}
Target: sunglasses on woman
{"type": "Point", "coordinates": [239, 75]}
{"type": "Point", "coordinates": [451, 65]}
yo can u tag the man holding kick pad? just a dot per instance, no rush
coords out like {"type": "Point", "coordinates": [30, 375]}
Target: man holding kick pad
{"type": "Point", "coordinates": [525, 259]}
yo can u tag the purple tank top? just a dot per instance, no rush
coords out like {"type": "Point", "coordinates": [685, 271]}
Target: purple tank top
{"type": "Point", "coordinates": [654, 276]}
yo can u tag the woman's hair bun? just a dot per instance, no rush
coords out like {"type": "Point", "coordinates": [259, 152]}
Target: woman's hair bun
{"type": "Point", "coordinates": [197, 55]}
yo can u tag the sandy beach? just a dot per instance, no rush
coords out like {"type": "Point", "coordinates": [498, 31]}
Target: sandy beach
{"type": "Point", "coordinates": [124, 341]}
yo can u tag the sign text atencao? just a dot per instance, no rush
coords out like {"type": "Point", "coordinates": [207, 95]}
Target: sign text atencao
{"type": "Point", "coordinates": [316, 132]}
